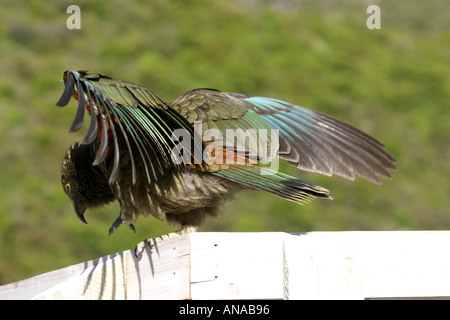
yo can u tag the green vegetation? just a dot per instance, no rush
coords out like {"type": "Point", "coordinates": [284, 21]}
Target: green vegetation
{"type": "Point", "coordinates": [393, 83]}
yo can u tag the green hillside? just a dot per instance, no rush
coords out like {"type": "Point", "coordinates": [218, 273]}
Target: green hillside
{"type": "Point", "coordinates": [393, 83]}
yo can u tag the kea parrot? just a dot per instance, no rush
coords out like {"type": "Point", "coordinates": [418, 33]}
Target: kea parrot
{"type": "Point", "coordinates": [184, 159]}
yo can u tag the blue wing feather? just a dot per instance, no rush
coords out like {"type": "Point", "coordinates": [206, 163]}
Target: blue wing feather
{"type": "Point", "coordinates": [317, 142]}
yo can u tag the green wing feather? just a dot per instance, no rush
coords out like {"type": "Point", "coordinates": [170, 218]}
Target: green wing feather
{"type": "Point", "coordinates": [216, 110]}
{"type": "Point", "coordinates": [135, 116]}
{"type": "Point", "coordinates": [276, 183]}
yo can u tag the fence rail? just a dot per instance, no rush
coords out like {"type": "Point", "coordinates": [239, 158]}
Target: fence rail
{"type": "Point", "coordinates": [315, 265]}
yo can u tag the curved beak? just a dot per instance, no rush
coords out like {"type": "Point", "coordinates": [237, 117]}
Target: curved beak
{"type": "Point", "coordinates": [79, 210]}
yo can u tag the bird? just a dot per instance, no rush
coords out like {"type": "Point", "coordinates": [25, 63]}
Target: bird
{"type": "Point", "coordinates": [182, 160]}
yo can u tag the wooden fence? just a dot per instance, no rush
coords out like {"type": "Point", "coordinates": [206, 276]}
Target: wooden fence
{"type": "Point", "coordinates": [315, 265]}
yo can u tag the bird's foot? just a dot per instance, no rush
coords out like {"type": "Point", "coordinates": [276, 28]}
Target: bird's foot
{"type": "Point", "coordinates": [116, 224]}
{"type": "Point", "coordinates": [140, 247]}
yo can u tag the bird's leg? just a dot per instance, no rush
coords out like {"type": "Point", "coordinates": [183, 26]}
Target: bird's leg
{"type": "Point", "coordinates": [116, 224]}
{"type": "Point", "coordinates": [140, 247]}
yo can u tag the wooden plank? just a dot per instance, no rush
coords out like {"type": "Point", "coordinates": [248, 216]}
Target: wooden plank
{"type": "Point", "coordinates": [409, 264]}
{"type": "Point", "coordinates": [364, 265]}
{"type": "Point", "coordinates": [316, 265]}
{"type": "Point", "coordinates": [160, 272]}
{"type": "Point", "coordinates": [102, 278]}
{"type": "Point", "coordinates": [237, 266]}
{"type": "Point", "coordinates": [323, 265]}
{"type": "Point", "coordinates": [28, 288]}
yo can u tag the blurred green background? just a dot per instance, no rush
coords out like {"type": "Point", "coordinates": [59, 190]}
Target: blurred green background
{"type": "Point", "coordinates": [393, 83]}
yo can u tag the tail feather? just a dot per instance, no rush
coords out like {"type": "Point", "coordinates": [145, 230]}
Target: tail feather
{"type": "Point", "coordinates": [276, 183]}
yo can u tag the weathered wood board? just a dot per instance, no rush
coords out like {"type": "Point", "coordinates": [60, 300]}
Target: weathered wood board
{"type": "Point", "coordinates": [272, 265]}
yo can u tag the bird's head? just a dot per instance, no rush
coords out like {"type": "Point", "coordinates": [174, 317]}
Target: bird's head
{"type": "Point", "coordinates": [83, 183]}
{"type": "Point", "coordinates": [71, 181]}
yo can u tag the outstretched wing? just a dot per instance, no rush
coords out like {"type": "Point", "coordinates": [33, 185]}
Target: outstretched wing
{"type": "Point", "coordinates": [124, 116]}
{"type": "Point", "coordinates": [310, 140]}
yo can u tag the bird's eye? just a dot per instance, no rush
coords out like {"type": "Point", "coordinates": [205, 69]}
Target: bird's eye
{"type": "Point", "coordinates": [67, 187]}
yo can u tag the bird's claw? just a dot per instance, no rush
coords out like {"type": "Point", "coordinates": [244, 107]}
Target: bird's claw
{"type": "Point", "coordinates": [116, 224]}
{"type": "Point", "coordinates": [141, 246]}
